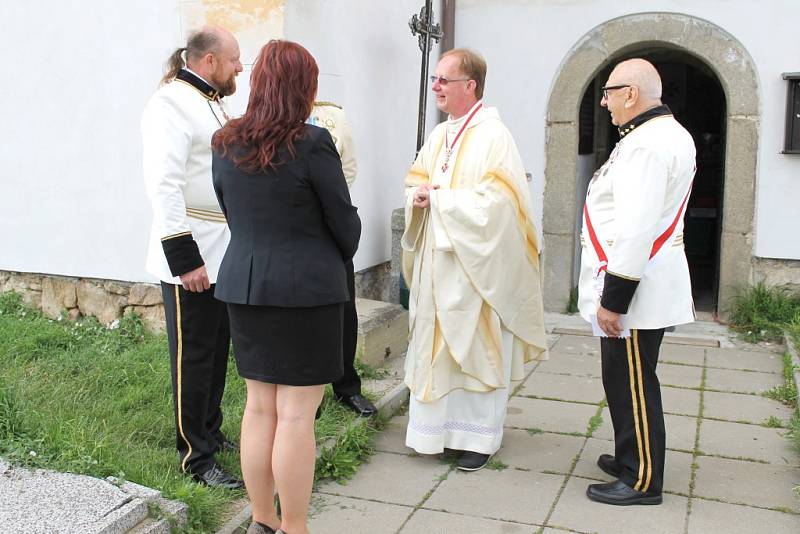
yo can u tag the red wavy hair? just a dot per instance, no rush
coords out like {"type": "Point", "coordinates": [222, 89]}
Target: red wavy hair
{"type": "Point", "coordinates": [283, 86]}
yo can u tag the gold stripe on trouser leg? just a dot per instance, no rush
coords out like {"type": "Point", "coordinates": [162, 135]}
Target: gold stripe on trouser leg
{"type": "Point", "coordinates": [635, 406]}
{"type": "Point", "coordinates": [645, 425]}
{"type": "Point", "coordinates": [178, 364]}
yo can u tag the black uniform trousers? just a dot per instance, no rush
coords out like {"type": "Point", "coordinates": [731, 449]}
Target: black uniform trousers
{"type": "Point", "coordinates": [199, 337]}
{"type": "Point", "coordinates": [350, 383]}
{"type": "Point", "coordinates": [634, 400]}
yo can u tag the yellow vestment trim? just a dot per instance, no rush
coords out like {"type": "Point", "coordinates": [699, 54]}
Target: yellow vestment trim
{"type": "Point", "coordinates": [506, 184]}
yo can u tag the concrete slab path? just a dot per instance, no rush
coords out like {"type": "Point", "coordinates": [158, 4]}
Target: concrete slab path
{"type": "Point", "coordinates": [727, 470]}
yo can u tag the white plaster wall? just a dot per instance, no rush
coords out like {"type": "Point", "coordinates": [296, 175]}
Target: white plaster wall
{"type": "Point", "coordinates": [74, 82]}
{"type": "Point", "coordinates": [77, 78]}
{"type": "Point", "coordinates": [525, 41]}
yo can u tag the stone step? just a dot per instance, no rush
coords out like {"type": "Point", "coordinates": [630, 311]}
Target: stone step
{"type": "Point", "coordinates": [151, 526]}
{"type": "Point", "coordinates": [382, 331]}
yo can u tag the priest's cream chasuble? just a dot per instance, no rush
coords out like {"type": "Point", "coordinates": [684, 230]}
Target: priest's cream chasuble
{"type": "Point", "coordinates": [471, 261]}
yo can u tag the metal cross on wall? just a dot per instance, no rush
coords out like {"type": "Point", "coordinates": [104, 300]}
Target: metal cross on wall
{"type": "Point", "coordinates": [422, 25]}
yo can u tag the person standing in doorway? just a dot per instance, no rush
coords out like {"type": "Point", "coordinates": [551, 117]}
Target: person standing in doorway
{"type": "Point", "coordinates": [634, 279]}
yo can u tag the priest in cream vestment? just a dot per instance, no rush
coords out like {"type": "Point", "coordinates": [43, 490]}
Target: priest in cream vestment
{"type": "Point", "coordinates": [471, 259]}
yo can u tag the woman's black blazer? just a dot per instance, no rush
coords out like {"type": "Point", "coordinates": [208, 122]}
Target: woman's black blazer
{"type": "Point", "coordinates": [292, 228]}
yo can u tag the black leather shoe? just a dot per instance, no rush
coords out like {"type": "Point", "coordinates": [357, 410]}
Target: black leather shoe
{"type": "Point", "coordinates": [359, 404]}
{"type": "Point", "coordinates": [620, 494]}
{"type": "Point", "coordinates": [609, 464]}
{"type": "Point", "coordinates": [472, 461]}
{"type": "Point", "coordinates": [227, 445]}
{"type": "Point", "coordinates": [217, 478]}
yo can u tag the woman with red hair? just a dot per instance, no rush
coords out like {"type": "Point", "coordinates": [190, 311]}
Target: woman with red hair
{"type": "Point", "coordinates": [280, 185]}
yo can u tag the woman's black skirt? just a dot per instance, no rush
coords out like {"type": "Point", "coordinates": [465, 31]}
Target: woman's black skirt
{"type": "Point", "coordinates": [292, 346]}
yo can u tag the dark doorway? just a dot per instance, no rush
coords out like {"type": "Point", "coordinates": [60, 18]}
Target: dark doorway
{"type": "Point", "coordinates": [696, 98]}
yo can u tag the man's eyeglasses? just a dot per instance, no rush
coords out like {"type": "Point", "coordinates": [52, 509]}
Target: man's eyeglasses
{"type": "Point", "coordinates": [608, 88]}
{"type": "Point", "coordinates": [444, 81]}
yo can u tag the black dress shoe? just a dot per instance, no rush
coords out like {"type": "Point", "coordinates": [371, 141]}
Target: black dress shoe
{"type": "Point", "coordinates": [620, 494]}
{"type": "Point", "coordinates": [227, 445]}
{"type": "Point", "coordinates": [472, 461]}
{"type": "Point", "coordinates": [609, 464]}
{"type": "Point", "coordinates": [359, 404]}
{"type": "Point", "coordinates": [217, 478]}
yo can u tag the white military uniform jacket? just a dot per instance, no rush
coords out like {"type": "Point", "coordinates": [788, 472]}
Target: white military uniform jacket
{"type": "Point", "coordinates": [188, 227]}
{"type": "Point", "coordinates": [637, 198]}
{"type": "Point", "coordinates": [331, 117]}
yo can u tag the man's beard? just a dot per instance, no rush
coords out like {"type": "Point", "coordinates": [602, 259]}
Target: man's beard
{"type": "Point", "coordinates": [225, 87]}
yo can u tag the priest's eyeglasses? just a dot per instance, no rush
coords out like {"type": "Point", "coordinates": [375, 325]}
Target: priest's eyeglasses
{"type": "Point", "coordinates": [607, 88]}
{"type": "Point", "coordinates": [444, 81]}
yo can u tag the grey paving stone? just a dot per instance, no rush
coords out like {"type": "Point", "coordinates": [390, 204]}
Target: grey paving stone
{"type": "Point", "coordinates": [332, 514]}
{"type": "Point", "coordinates": [427, 521]}
{"type": "Point", "coordinates": [577, 345]}
{"type": "Point", "coordinates": [549, 415]}
{"type": "Point", "coordinates": [738, 407]}
{"type": "Point", "coordinates": [741, 381]}
{"type": "Point", "coordinates": [710, 516]}
{"type": "Point", "coordinates": [563, 387]}
{"type": "Point", "coordinates": [680, 401]}
{"type": "Point", "coordinates": [64, 502]}
{"type": "Point", "coordinates": [571, 364]}
{"type": "Point", "coordinates": [393, 436]}
{"type": "Point", "coordinates": [677, 466]}
{"type": "Point", "coordinates": [768, 362]}
{"type": "Point", "coordinates": [575, 511]}
{"type": "Point", "coordinates": [539, 452]}
{"type": "Point", "coordinates": [739, 482]}
{"type": "Point", "coordinates": [508, 495]}
{"type": "Point", "coordinates": [739, 440]}
{"type": "Point", "coordinates": [686, 376]}
{"type": "Point", "coordinates": [412, 477]}
{"type": "Point", "coordinates": [681, 430]}
{"type": "Point", "coordinates": [686, 354]}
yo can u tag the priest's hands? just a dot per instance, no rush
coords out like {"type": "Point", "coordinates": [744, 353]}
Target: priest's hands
{"type": "Point", "coordinates": [609, 322]}
{"type": "Point", "coordinates": [195, 281]}
{"type": "Point", "coordinates": [422, 195]}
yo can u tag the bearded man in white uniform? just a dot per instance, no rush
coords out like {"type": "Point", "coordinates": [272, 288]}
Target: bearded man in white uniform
{"type": "Point", "coordinates": [471, 259]}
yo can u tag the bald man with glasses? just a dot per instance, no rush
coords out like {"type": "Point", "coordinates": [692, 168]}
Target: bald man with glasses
{"type": "Point", "coordinates": [634, 279]}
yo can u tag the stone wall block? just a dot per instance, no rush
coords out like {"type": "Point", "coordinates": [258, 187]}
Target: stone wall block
{"type": "Point", "coordinates": [570, 88]}
{"type": "Point", "coordinates": [116, 287]}
{"type": "Point", "coordinates": [96, 301]}
{"type": "Point", "coordinates": [557, 268]}
{"type": "Point", "coordinates": [74, 314]}
{"type": "Point", "coordinates": [561, 177]}
{"type": "Point", "coordinates": [736, 268]}
{"type": "Point", "coordinates": [58, 294]}
{"type": "Point", "coordinates": [783, 274]}
{"type": "Point", "coordinates": [28, 286]}
{"type": "Point", "coordinates": [145, 295]}
{"type": "Point", "coordinates": [152, 316]}
{"type": "Point", "coordinates": [738, 203]}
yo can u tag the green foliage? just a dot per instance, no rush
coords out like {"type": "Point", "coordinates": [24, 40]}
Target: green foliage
{"type": "Point", "coordinates": [786, 392]}
{"type": "Point", "coordinates": [572, 305]}
{"type": "Point", "coordinates": [496, 464]}
{"type": "Point", "coordinates": [369, 372]}
{"type": "Point", "coordinates": [773, 422]}
{"type": "Point", "coordinates": [760, 312]}
{"type": "Point", "coordinates": [794, 431]}
{"type": "Point", "coordinates": [340, 461]}
{"type": "Point", "coordinates": [96, 400]}
{"type": "Point", "coordinates": [594, 423]}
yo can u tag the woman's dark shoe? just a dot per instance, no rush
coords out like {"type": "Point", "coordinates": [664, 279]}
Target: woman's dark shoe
{"type": "Point", "coordinates": [609, 464]}
{"type": "Point", "coordinates": [620, 494]}
{"type": "Point", "coordinates": [259, 528]}
{"type": "Point", "coordinates": [472, 461]}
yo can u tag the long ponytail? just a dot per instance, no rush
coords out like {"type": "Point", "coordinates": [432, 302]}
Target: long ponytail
{"type": "Point", "coordinates": [174, 64]}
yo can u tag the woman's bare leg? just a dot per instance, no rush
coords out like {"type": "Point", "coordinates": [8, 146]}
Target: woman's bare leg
{"type": "Point", "coordinates": [258, 434]}
{"type": "Point", "coordinates": [294, 453]}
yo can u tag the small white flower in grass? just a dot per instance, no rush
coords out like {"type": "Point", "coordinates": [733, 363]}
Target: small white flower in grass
{"type": "Point", "coordinates": [32, 454]}
{"type": "Point", "coordinates": [113, 325]}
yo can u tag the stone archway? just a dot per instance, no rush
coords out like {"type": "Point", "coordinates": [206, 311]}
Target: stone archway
{"type": "Point", "coordinates": [736, 72]}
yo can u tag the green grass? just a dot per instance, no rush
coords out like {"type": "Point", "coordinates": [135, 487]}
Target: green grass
{"type": "Point", "coordinates": [760, 312]}
{"type": "Point", "coordinates": [786, 392]}
{"type": "Point", "coordinates": [81, 398]}
{"type": "Point", "coordinates": [572, 303]}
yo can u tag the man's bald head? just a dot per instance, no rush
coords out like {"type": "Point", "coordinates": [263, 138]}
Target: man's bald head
{"type": "Point", "coordinates": [640, 73]}
{"type": "Point", "coordinates": [207, 40]}
{"type": "Point", "coordinates": [633, 87]}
